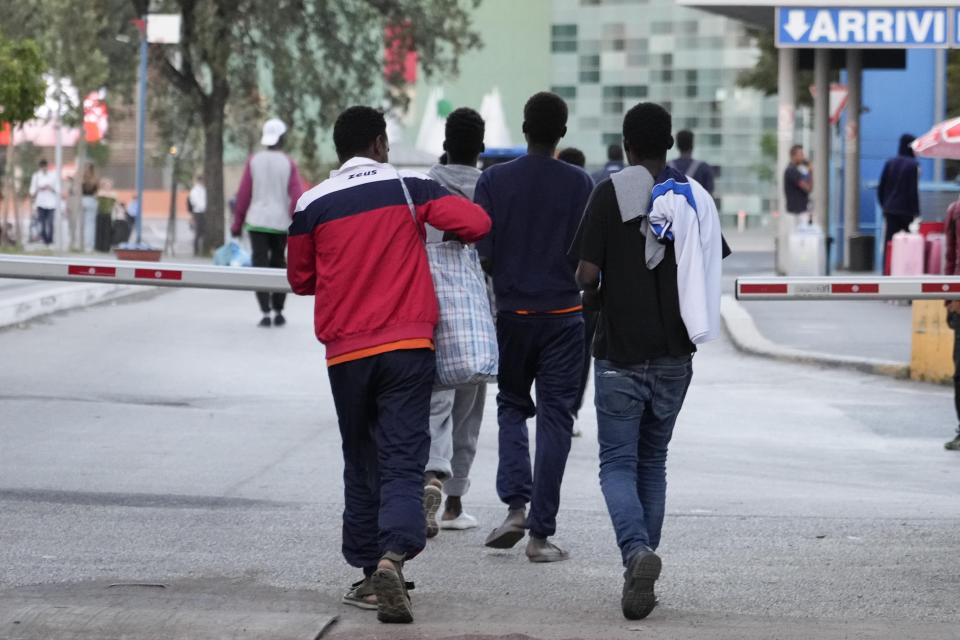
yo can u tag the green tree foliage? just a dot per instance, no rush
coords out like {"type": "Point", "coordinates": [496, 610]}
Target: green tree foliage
{"type": "Point", "coordinates": [22, 89]}
{"type": "Point", "coordinates": [764, 74]}
{"type": "Point", "coordinates": [312, 57]}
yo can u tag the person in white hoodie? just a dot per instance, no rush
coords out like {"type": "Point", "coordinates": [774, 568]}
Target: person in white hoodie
{"type": "Point", "coordinates": [266, 199]}
{"type": "Point", "coordinates": [455, 414]}
{"type": "Point", "coordinates": [644, 349]}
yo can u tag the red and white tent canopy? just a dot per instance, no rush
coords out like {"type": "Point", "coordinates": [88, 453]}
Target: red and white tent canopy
{"type": "Point", "coordinates": [943, 141]}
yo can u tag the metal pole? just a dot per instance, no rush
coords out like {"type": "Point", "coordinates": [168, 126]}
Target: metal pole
{"type": "Point", "coordinates": [821, 158]}
{"type": "Point", "coordinates": [786, 122]}
{"type": "Point", "coordinates": [939, 101]}
{"type": "Point", "coordinates": [141, 125]}
{"type": "Point", "coordinates": [58, 161]}
{"type": "Point", "coordinates": [851, 182]}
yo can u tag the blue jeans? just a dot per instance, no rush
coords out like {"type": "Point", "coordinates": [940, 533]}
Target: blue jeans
{"type": "Point", "coordinates": [637, 407]}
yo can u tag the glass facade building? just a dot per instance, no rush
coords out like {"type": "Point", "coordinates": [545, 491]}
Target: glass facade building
{"type": "Point", "coordinates": [607, 55]}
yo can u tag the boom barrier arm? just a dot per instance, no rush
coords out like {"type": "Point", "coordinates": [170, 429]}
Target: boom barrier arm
{"type": "Point", "coordinates": [930, 287]}
{"type": "Point", "coordinates": [199, 276]}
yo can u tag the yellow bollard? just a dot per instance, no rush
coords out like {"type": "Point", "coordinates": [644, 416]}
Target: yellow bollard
{"type": "Point", "coordinates": [931, 353]}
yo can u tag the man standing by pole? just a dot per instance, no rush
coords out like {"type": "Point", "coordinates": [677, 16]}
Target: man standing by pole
{"type": "Point", "coordinates": [535, 202]}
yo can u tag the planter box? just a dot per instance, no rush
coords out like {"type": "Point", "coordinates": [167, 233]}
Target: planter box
{"type": "Point", "coordinates": [142, 255]}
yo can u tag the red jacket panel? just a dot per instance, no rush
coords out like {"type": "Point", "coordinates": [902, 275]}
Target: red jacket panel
{"type": "Point", "coordinates": [354, 244]}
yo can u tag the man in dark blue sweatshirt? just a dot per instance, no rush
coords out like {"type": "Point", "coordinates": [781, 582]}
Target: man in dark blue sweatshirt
{"type": "Point", "coordinates": [898, 191]}
{"type": "Point", "coordinates": [536, 203]}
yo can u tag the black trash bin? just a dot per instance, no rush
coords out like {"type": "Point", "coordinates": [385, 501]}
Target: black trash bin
{"type": "Point", "coordinates": [862, 253]}
{"type": "Point", "coordinates": [104, 233]}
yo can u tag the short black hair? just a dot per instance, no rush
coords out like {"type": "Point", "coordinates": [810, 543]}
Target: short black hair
{"type": "Point", "coordinates": [545, 118]}
{"type": "Point", "coordinates": [646, 131]}
{"type": "Point", "coordinates": [464, 135]}
{"type": "Point", "coordinates": [356, 129]}
{"type": "Point", "coordinates": [615, 153]}
{"type": "Point", "coordinates": [685, 141]}
{"type": "Point", "coordinates": [42, 163]}
{"type": "Point", "coordinates": [572, 155]}
{"type": "Point", "coordinates": [795, 148]}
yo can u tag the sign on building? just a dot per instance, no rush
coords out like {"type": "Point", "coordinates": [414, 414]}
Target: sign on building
{"type": "Point", "coordinates": [867, 27]}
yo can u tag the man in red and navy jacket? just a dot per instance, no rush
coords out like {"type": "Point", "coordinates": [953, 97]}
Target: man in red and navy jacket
{"type": "Point", "coordinates": [356, 243]}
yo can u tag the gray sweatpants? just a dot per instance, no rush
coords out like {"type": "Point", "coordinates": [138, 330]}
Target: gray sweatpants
{"type": "Point", "coordinates": [455, 417]}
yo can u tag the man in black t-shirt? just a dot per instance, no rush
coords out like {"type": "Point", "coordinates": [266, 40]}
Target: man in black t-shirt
{"type": "Point", "coordinates": [642, 349]}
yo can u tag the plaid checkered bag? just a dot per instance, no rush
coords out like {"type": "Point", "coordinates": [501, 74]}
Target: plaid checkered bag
{"type": "Point", "coordinates": [465, 337]}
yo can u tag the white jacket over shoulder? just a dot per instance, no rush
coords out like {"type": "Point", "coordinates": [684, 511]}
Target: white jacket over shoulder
{"type": "Point", "coordinates": [686, 209]}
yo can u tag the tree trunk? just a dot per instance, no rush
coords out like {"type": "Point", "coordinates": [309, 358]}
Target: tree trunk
{"type": "Point", "coordinates": [6, 195]}
{"type": "Point", "coordinates": [213, 125]}
{"type": "Point", "coordinates": [170, 244]}
{"type": "Point", "coordinates": [75, 213]}
{"type": "Point", "coordinates": [15, 193]}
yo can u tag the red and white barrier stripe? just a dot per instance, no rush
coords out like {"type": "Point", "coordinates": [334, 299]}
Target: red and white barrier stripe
{"type": "Point", "coordinates": [850, 288]}
{"type": "Point", "coordinates": [151, 273]}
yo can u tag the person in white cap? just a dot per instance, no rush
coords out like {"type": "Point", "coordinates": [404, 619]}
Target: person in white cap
{"type": "Point", "coordinates": [265, 201]}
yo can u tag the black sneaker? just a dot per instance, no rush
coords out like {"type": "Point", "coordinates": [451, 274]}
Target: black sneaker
{"type": "Point", "coordinates": [279, 320]}
{"type": "Point", "coordinates": [953, 445]}
{"type": "Point", "coordinates": [265, 322]}
{"type": "Point", "coordinates": [639, 598]}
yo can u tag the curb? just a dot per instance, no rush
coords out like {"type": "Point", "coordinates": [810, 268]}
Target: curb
{"type": "Point", "coordinates": [19, 309]}
{"type": "Point", "coordinates": [746, 337]}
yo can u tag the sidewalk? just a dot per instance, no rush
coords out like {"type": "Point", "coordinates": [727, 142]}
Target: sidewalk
{"type": "Point", "coordinates": [871, 336]}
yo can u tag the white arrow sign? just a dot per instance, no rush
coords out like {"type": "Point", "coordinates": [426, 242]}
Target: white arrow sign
{"type": "Point", "coordinates": [796, 24]}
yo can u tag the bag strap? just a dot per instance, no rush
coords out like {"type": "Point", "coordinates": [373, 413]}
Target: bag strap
{"type": "Point", "coordinates": [406, 194]}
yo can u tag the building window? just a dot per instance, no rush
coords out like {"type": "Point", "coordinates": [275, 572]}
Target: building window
{"type": "Point", "coordinates": [563, 38]}
{"type": "Point", "coordinates": [614, 37]}
{"type": "Point", "coordinates": [590, 69]}
{"type": "Point", "coordinates": [611, 138]}
{"type": "Point", "coordinates": [567, 93]}
{"type": "Point", "coordinates": [661, 28]}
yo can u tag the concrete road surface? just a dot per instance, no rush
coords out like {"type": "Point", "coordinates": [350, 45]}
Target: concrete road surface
{"type": "Point", "coordinates": [171, 442]}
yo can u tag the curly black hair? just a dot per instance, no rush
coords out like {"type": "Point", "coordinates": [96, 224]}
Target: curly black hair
{"type": "Point", "coordinates": [646, 131]}
{"type": "Point", "coordinates": [545, 118]}
{"type": "Point", "coordinates": [356, 129]}
{"type": "Point", "coordinates": [464, 136]}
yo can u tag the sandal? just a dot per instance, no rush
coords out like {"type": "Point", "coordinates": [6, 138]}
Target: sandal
{"type": "Point", "coordinates": [362, 595]}
{"type": "Point", "coordinates": [393, 599]}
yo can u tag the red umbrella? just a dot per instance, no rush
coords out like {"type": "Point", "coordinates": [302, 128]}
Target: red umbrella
{"type": "Point", "coordinates": [943, 141]}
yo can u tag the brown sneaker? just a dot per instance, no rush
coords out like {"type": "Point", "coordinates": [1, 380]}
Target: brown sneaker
{"type": "Point", "coordinates": [432, 499]}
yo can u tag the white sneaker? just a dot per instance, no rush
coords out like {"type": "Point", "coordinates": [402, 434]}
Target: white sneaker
{"type": "Point", "coordinates": [460, 523]}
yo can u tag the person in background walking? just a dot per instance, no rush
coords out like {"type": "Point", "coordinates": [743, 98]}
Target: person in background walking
{"type": "Point", "coordinates": [455, 414]}
{"type": "Point", "coordinates": [952, 268]}
{"type": "Point", "coordinates": [89, 187]}
{"type": "Point", "coordinates": [197, 204]}
{"type": "Point", "coordinates": [690, 167]}
{"type": "Point", "coordinates": [357, 244]}
{"type": "Point", "coordinates": [643, 349]}
{"type": "Point", "coordinates": [535, 202]}
{"type": "Point", "coordinates": [43, 190]}
{"type": "Point", "coordinates": [614, 164]}
{"type": "Point", "coordinates": [266, 198]}
{"type": "Point", "coordinates": [572, 155]}
{"type": "Point", "coordinates": [898, 191]}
